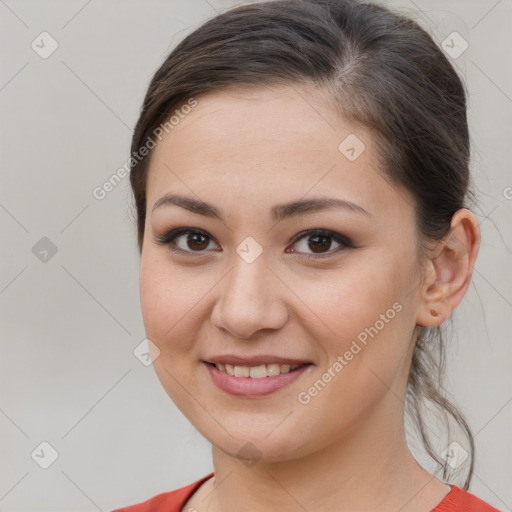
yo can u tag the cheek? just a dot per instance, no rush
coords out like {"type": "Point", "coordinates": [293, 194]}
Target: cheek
{"type": "Point", "coordinates": [353, 299]}
{"type": "Point", "coordinates": [171, 309]}
{"type": "Point", "coordinates": [176, 302]}
{"type": "Point", "coordinates": [169, 300]}
{"type": "Point", "coordinates": [368, 318]}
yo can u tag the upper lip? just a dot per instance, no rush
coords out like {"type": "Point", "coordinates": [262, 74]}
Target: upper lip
{"type": "Point", "coordinates": [254, 360]}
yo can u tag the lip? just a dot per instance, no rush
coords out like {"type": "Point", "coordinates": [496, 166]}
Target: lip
{"type": "Point", "coordinates": [249, 387]}
{"type": "Point", "coordinates": [254, 360]}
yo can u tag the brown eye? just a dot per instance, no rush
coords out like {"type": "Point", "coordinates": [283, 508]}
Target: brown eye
{"type": "Point", "coordinates": [185, 240]}
{"type": "Point", "coordinates": [320, 242]}
{"type": "Point", "coordinates": [196, 241]}
{"type": "Point", "coordinates": [315, 243]}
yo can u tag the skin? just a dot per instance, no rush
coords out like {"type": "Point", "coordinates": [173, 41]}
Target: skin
{"type": "Point", "coordinates": [244, 151]}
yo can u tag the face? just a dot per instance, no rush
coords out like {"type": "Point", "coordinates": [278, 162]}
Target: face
{"type": "Point", "coordinates": [247, 281]}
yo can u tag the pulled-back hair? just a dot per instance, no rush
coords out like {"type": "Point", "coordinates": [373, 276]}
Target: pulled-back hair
{"type": "Point", "coordinates": [382, 71]}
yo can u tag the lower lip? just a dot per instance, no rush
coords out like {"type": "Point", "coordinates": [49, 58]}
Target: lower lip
{"type": "Point", "coordinates": [248, 387]}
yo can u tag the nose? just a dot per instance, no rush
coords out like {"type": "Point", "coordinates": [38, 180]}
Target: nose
{"type": "Point", "coordinates": [251, 298]}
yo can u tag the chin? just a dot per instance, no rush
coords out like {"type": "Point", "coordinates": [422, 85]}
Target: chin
{"type": "Point", "coordinates": [251, 445]}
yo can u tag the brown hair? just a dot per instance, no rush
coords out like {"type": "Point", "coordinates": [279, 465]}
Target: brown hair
{"type": "Point", "coordinates": [382, 71]}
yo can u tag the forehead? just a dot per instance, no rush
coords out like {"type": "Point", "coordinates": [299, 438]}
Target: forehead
{"type": "Point", "coordinates": [268, 145]}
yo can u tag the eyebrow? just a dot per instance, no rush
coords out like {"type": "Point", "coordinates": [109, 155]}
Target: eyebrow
{"type": "Point", "coordinates": [279, 212]}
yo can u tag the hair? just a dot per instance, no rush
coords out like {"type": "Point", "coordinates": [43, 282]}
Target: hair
{"type": "Point", "coordinates": [383, 72]}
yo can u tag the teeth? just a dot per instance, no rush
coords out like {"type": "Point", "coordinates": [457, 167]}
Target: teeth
{"type": "Point", "coordinates": [256, 372]}
{"type": "Point", "coordinates": [242, 371]}
{"type": "Point", "coordinates": [273, 369]}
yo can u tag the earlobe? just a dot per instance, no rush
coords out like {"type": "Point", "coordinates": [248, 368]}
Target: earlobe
{"type": "Point", "coordinates": [449, 270]}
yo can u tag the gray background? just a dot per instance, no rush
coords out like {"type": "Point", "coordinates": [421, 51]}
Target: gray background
{"type": "Point", "coordinates": [69, 324]}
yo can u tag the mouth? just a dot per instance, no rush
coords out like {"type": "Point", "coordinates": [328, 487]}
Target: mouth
{"type": "Point", "coordinates": [256, 377]}
{"type": "Point", "coordinates": [256, 372]}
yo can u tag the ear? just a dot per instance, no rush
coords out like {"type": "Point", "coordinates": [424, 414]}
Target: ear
{"type": "Point", "coordinates": [449, 269]}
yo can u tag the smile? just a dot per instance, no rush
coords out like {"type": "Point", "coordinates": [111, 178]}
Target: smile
{"type": "Point", "coordinates": [254, 381]}
{"type": "Point", "coordinates": [256, 372]}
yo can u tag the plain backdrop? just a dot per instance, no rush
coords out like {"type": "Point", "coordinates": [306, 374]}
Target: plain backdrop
{"type": "Point", "coordinates": [70, 311]}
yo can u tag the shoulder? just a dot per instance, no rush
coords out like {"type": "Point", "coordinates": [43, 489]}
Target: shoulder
{"type": "Point", "coordinates": [459, 500]}
{"type": "Point", "coordinates": [166, 502]}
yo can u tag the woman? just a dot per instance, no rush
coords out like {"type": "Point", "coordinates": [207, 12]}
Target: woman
{"type": "Point", "coordinates": [300, 171]}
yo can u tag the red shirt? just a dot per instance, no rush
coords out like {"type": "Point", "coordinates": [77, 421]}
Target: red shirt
{"type": "Point", "coordinates": [457, 500]}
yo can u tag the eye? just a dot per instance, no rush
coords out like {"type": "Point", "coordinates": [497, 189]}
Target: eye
{"type": "Point", "coordinates": [191, 240]}
{"type": "Point", "coordinates": [185, 240]}
{"type": "Point", "coordinates": [320, 241]}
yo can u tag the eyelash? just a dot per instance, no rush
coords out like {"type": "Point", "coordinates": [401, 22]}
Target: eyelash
{"type": "Point", "coordinates": [169, 237]}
